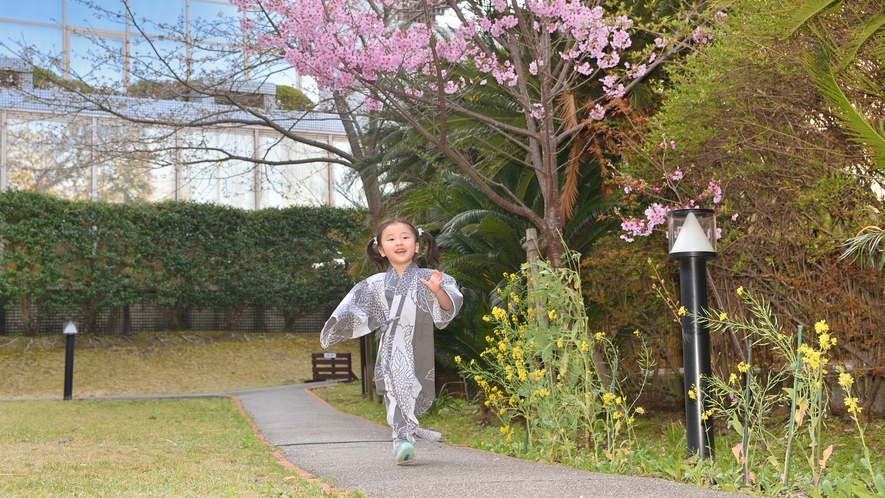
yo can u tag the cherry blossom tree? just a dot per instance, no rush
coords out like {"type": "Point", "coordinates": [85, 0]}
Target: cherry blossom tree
{"type": "Point", "coordinates": [427, 69]}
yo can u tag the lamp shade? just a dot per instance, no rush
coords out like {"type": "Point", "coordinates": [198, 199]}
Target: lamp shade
{"type": "Point", "coordinates": [70, 329]}
{"type": "Point", "coordinates": [692, 233]}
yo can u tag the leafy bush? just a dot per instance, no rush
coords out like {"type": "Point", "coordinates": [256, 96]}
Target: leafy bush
{"type": "Point", "coordinates": [82, 257]}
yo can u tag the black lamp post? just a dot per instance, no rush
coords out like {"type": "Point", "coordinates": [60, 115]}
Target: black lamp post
{"type": "Point", "coordinates": [692, 237]}
{"type": "Point", "coordinates": [70, 332]}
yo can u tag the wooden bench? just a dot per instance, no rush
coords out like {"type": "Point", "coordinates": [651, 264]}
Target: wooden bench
{"type": "Point", "coordinates": [332, 366]}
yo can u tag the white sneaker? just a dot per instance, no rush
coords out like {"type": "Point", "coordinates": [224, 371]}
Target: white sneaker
{"type": "Point", "coordinates": [404, 451]}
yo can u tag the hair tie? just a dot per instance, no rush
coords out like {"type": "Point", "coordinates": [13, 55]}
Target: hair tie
{"type": "Point", "coordinates": [420, 232]}
{"type": "Point", "coordinates": [375, 242]}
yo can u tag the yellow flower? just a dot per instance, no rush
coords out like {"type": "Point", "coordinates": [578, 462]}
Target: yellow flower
{"type": "Point", "coordinates": [824, 341]}
{"type": "Point", "coordinates": [458, 360]}
{"type": "Point", "coordinates": [607, 398]}
{"type": "Point", "coordinates": [551, 314]}
{"type": "Point", "coordinates": [640, 410]}
{"type": "Point", "coordinates": [584, 346]}
{"type": "Point", "coordinates": [486, 318]}
{"type": "Point", "coordinates": [559, 343]}
{"type": "Point", "coordinates": [499, 314]}
{"type": "Point", "coordinates": [504, 430]}
{"type": "Point", "coordinates": [692, 395]}
{"type": "Point", "coordinates": [846, 380]}
{"type": "Point", "coordinates": [616, 415]}
{"type": "Point", "coordinates": [743, 367]}
{"type": "Point", "coordinates": [681, 311]}
{"type": "Point", "coordinates": [733, 378]}
{"type": "Point", "coordinates": [810, 356]}
{"type": "Point", "coordinates": [851, 405]}
{"type": "Point", "coordinates": [740, 291]}
{"type": "Point", "coordinates": [636, 332]}
{"type": "Point", "coordinates": [723, 316]}
{"type": "Point", "coordinates": [821, 327]}
{"type": "Point", "coordinates": [600, 336]}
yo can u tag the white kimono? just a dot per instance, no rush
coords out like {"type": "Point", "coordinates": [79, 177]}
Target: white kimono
{"type": "Point", "coordinates": [404, 311]}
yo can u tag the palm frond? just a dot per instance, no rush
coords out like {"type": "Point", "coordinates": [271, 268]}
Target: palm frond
{"type": "Point", "coordinates": [848, 52]}
{"type": "Point", "coordinates": [810, 9]}
{"type": "Point", "coordinates": [858, 128]}
{"type": "Point", "coordinates": [866, 248]}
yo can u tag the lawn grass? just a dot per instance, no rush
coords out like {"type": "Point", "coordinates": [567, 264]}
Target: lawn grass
{"type": "Point", "coordinates": [145, 447]}
{"type": "Point", "coordinates": [171, 447]}
{"type": "Point", "coordinates": [146, 364]}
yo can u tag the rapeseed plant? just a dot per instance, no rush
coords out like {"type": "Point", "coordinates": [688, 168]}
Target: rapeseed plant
{"type": "Point", "coordinates": [541, 367]}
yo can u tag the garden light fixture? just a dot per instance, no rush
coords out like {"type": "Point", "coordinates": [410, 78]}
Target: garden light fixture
{"type": "Point", "coordinates": [692, 239]}
{"type": "Point", "coordinates": [70, 331]}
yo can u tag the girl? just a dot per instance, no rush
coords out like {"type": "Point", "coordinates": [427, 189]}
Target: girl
{"type": "Point", "coordinates": [403, 303]}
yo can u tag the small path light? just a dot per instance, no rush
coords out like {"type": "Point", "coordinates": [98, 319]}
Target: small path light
{"type": "Point", "coordinates": [70, 332]}
{"type": "Point", "coordinates": [692, 237]}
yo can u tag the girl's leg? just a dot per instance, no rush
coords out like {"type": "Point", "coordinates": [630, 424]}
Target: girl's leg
{"type": "Point", "coordinates": [403, 440]}
{"type": "Point", "coordinates": [397, 421]}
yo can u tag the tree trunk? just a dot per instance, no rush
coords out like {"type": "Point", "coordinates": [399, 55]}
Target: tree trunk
{"type": "Point", "coordinates": [24, 304]}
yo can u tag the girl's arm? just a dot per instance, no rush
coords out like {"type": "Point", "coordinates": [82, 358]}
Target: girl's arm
{"type": "Point", "coordinates": [435, 286]}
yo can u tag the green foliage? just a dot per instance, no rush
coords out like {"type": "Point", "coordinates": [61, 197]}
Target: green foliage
{"type": "Point", "coordinates": [44, 78]}
{"type": "Point", "coordinates": [744, 111]}
{"type": "Point", "coordinates": [163, 89]}
{"type": "Point", "coordinates": [293, 99]}
{"type": "Point", "coordinates": [84, 257]}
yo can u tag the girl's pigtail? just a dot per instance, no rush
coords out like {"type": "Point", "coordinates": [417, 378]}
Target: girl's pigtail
{"type": "Point", "coordinates": [375, 256]}
{"type": "Point", "coordinates": [431, 250]}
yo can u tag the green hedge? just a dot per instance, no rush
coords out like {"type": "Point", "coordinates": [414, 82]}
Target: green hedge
{"type": "Point", "coordinates": [81, 257]}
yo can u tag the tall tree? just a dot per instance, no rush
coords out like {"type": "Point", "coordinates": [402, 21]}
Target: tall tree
{"type": "Point", "coordinates": [423, 69]}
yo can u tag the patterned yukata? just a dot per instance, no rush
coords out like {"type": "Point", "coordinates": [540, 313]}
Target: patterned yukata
{"type": "Point", "coordinates": [404, 312]}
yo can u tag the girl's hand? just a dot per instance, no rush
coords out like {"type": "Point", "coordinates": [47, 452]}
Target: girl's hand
{"type": "Point", "coordinates": [435, 286]}
{"type": "Point", "coordinates": [435, 282]}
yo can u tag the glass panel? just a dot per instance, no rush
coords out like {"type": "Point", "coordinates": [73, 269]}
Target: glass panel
{"type": "Point", "coordinates": [131, 166]}
{"type": "Point", "coordinates": [157, 16]}
{"type": "Point", "coordinates": [97, 15]}
{"type": "Point", "coordinates": [295, 184]}
{"type": "Point", "coordinates": [148, 60]}
{"type": "Point", "coordinates": [43, 40]}
{"type": "Point", "coordinates": [211, 175]}
{"type": "Point", "coordinates": [215, 22]}
{"type": "Point", "coordinates": [50, 156]}
{"type": "Point", "coordinates": [279, 73]}
{"type": "Point", "coordinates": [48, 11]}
{"type": "Point", "coordinates": [216, 60]}
{"type": "Point", "coordinates": [97, 60]}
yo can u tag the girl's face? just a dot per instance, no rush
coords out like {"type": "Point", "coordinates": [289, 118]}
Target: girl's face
{"type": "Point", "coordinates": [399, 245]}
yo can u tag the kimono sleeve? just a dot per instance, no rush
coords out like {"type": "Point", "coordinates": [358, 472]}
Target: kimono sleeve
{"type": "Point", "coordinates": [359, 313]}
{"type": "Point", "coordinates": [442, 317]}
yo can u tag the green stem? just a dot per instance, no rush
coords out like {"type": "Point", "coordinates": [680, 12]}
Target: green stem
{"type": "Point", "coordinates": [793, 407]}
{"type": "Point", "coordinates": [745, 441]}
